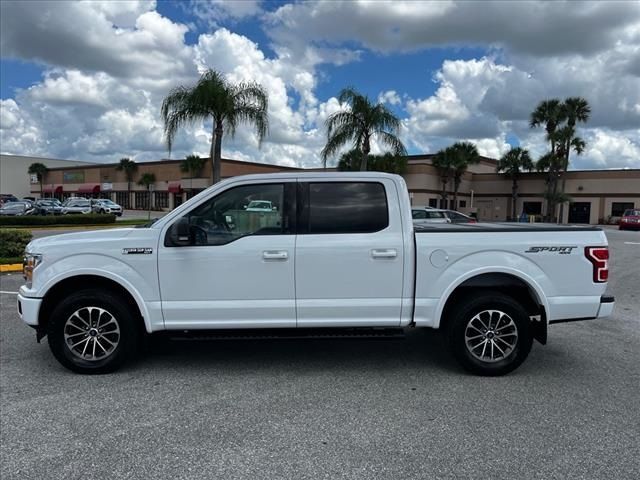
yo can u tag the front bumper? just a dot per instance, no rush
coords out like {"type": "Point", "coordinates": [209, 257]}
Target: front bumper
{"type": "Point", "coordinates": [29, 309]}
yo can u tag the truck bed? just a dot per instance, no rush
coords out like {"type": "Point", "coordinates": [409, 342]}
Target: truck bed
{"type": "Point", "coordinates": [501, 227]}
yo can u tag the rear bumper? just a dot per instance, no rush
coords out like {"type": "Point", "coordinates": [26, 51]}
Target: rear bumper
{"type": "Point", "coordinates": [29, 309]}
{"type": "Point", "coordinates": [607, 304]}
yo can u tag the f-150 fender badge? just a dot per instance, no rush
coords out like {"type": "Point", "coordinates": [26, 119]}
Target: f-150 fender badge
{"type": "Point", "coordinates": [137, 251]}
{"type": "Point", "coordinates": [560, 250]}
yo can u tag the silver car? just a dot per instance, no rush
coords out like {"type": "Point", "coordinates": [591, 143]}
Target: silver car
{"type": "Point", "coordinates": [15, 209]}
{"type": "Point", "coordinates": [76, 205]}
{"type": "Point", "coordinates": [427, 215]}
{"type": "Point", "coordinates": [104, 205]}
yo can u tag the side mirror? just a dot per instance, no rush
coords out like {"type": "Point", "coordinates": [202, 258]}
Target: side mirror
{"type": "Point", "coordinates": [275, 209]}
{"type": "Point", "coordinates": [245, 206]}
{"type": "Point", "coordinates": [181, 233]}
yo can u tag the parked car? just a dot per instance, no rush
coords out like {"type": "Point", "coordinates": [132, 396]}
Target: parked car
{"type": "Point", "coordinates": [457, 217]}
{"type": "Point", "coordinates": [630, 220]}
{"type": "Point", "coordinates": [15, 209]}
{"type": "Point", "coordinates": [6, 198]}
{"type": "Point", "coordinates": [76, 205]}
{"type": "Point", "coordinates": [341, 253]}
{"type": "Point", "coordinates": [428, 215]}
{"type": "Point", "coordinates": [260, 206]}
{"type": "Point", "coordinates": [48, 206]}
{"type": "Point", "coordinates": [104, 205]}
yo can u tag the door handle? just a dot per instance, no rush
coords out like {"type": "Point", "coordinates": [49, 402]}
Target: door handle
{"type": "Point", "coordinates": [384, 253]}
{"type": "Point", "coordinates": [275, 255]}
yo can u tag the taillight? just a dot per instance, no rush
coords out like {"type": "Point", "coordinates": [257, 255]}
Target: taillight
{"type": "Point", "coordinates": [599, 257]}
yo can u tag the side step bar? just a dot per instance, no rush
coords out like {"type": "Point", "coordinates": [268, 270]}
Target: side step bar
{"type": "Point", "coordinates": [286, 334]}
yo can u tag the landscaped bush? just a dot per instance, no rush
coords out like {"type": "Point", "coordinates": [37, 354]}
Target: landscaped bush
{"type": "Point", "coordinates": [80, 219]}
{"type": "Point", "coordinates": [12, 242]}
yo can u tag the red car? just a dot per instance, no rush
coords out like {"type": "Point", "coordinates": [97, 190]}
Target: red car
{"type": "Point", "coordinates": [630, 220]}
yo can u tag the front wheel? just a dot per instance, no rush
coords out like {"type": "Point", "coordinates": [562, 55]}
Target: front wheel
{"type": "Point", "coordinates": [92, 331]}
{"type": "Point", "coordinates": [490, 334]}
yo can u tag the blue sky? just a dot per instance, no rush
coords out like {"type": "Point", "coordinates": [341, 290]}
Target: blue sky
{"type": "Point", "coordinates": [450, 70]}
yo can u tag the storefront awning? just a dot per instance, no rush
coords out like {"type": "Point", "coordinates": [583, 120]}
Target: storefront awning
{"type": "Point", "coordinates": [89, 188]}
{"type": "Point", "coordinates": [175, 187]}
{"type": "Point", "coordinates": [52, 189]}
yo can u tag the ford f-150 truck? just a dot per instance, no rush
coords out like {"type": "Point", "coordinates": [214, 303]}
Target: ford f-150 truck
{"type": "Point", "coordinates": [337, 251]}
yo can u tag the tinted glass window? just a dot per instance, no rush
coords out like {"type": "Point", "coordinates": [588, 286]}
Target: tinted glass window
{"type": "Point", "coordinates": [347, 207]}
{"type": "Point", "coordinates": [434, 215]}
{"type": "Point", "coordinates": [433, 202]}
{"type": "Point", "coordinates": [618, 208]}
{"type": "Point", "coordinates": [234, 214]}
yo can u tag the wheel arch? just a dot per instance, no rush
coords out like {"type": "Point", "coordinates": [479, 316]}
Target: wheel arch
{"type": "Point", "coordinates": [518, 286]}
{"type": "Point", "coordinates": [83, 281]}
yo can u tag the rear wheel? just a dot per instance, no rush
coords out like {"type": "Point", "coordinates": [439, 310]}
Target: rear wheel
{"type": "Point", "coordinates": [490, 334]}
{"type": "Point", "coordinates": [92, 331]}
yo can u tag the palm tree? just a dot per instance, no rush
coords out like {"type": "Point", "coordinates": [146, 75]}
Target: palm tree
{"type": "Point", "coordinates": [444, 161]}
{"type": "Point", "coordinates": [39, 170]}
{"type": "Point", "coordinates": [192, 165]}
{"type": "Point", "coordinates": [358, 124]}
{"type": "Point", "coordinates": [146, 180]}
{"type": "Point", "coordinates": [388, 162]}
{"type": "Point", "coordinates": [550, 113]}
{"type": "Point", "coordinates": [513, 163]}
{"type": "Point", "coordinates": [129, 167]}
{"type": "Point", "coordinates": [214, 97]}
{"type": "Point", "coordinates": [464, 154]}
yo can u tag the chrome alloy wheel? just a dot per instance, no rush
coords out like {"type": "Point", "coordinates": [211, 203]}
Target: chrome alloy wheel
{"type": "Point", "coordinates": [91, 333]}
{"type": "Point", "coordinates": [491, 336]}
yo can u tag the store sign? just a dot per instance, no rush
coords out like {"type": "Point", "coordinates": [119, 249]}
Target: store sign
{"type": "Point", "coordinates": [73, 177]}
{"type": "Point", "coordinates": [106, 186]}
{"type": "Point", "coordinates": [34, 178]}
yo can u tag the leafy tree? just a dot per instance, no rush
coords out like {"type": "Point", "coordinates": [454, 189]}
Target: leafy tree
{"type": "Point", "coordinates": [192, 165]}
{"type": "Point", "coordinates": [444, 161]}
{"type": "Point", "coordinates": [550, 114]}
{"type": "Point", "coordinates": [147, 179]}
{"type": "Point", "coordinates": [40, 170]}
{"type": "Point", "coordinates": [129, 167]}
{"type": "Point", "coordinates": [358, 124]}
{"type": "Point", "coordinates": [389, 163]}
{"type": "Point", "coordinates": [513, 163]}
{"type": "Point", "coordinates": [464, 154]}
{"type": "Point", "coordinates": [226, 104]}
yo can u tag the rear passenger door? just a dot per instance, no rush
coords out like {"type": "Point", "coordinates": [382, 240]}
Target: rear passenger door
{"type": "Point", "coordinates": [349, 254]}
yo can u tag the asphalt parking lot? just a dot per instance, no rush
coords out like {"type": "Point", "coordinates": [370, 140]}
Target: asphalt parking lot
{"type": "Point", "coordinates": [332, 408]}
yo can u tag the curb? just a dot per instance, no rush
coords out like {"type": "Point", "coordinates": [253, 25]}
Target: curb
{"type": "Point", "coordinates": [12, 267]}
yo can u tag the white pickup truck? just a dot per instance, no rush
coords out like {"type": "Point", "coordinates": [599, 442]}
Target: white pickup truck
{"type": "Point", "coordinates": [337, 251]}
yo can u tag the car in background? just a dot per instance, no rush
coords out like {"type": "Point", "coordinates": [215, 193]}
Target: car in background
{"type": "Point", "coordinates": [104, 205]}
{"type": "Point", "coordinates": [16, 209]}
{"type": "Point", "coordinates": [76, 205]}
{"type": "Point", "coordinates": [457, 217]}
{"type": "Point", "coordinates": [630, 220]}
{"type": "Point", "coordinates": [260, 206]}
{"type": "Point", "coordinates": [6, 198]}
{"type": "Point", "coordinates": [428, 215]}
{"type": "Point", "coordinates": [48, 206]}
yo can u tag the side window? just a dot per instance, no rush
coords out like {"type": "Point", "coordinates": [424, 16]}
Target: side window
{"type": "Point", "coordinates": [347, 207]}
{"type": "Point", "coordinates": [236, 213]}
{"type": "Point", "coordinates": [417, 214]}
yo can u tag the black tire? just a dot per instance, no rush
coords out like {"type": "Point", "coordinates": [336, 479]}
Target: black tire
{"type": "Point", "coordinates": [81, 301]}
{"type": "Point", "coordinates": [460, 322]}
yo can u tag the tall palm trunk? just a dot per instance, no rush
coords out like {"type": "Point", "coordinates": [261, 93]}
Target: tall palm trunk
{"type": "Point", "coordinates": [514, 197]}
{"type": "Point", "coordinates": [216, 151]}
{"type": "Point", "coordinates": [443, 200]}
{"type": "Point", "coordinates": [366, 148]}
{"type": "Point", "coordinates": [456, 186]}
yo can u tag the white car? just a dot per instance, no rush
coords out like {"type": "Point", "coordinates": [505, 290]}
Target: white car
{"type": "Point", "coordinates": [260, 206]}
{"type": "Point", "coordinates": [428, 215]}
{"type": "Point", "coordinates": [341, 253]}
{"type": "Point", "coordinates": [104, 205]}
{"type": "Point", "coordinates": [76, 205]}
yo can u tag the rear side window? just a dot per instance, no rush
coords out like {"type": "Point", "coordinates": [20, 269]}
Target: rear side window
{"type": "Point", "coordinates": [347, 207]}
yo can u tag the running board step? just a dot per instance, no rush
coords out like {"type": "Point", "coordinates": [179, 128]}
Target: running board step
{"type": "Point", "coordinates": [287, 334]}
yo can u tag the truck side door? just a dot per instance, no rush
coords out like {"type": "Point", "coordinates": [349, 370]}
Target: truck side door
{"type": "Point", "coordinates": [237, 270]}
{"type": "Point", "coordinates": [349, 254]}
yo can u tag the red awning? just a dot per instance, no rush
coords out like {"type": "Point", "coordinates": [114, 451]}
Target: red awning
{"type": "Point", "coordinates": [175, 187]}
{"type": "Point", "coordinates": [52, 189]}
{"type": "Point", "coordinates": [89, 188]}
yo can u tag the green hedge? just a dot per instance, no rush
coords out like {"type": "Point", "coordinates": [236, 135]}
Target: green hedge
{"type": "Point", "coordinates": [78, 219]}
{"type": "Point", "coordinates": [12, 242]}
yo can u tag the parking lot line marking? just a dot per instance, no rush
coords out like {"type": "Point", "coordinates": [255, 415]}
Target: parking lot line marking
{"type": "Point", "coordinates": [9, 293]}
{"type": "Point", "coordinates": [632, 243]}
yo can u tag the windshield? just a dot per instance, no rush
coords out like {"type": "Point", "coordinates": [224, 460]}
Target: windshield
{"type": "Point", "coordinates": [632, 213]}
{"type": "Point", "coordinates": [259, 204]}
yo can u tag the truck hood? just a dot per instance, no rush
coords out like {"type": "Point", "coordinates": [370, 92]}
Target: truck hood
{"type": "Point", "coordinates": [39, 245]}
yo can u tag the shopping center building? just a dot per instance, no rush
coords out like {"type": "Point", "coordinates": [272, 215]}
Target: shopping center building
{"type": "Point", "coordinates": [596, 195]}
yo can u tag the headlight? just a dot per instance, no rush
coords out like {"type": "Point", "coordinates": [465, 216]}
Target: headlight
{"type": "Point", "coordinates": [30, 262]}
